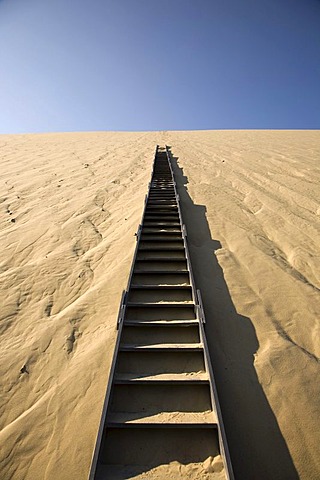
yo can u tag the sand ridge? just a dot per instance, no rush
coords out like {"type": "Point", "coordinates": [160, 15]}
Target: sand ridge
{"type": "Point", "coordinates": [70, 205]}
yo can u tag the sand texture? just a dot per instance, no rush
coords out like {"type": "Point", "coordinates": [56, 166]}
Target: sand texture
{"type": "Point", "coordinates": [70, 206]}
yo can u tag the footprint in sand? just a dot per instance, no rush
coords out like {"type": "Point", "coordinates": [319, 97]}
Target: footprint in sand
{"type": "Point", "coordinates": [48, 308]}
{"type": "Point", "coordinates": [71, 340]}
{"type": "Point", "coordinates": [24, 369]}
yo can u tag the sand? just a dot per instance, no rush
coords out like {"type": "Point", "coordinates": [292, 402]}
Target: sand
{"type": "Point", "coordinates": [70, 206]}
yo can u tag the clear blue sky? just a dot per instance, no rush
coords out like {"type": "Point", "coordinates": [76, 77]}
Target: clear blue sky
{"type": "Point", "coordinates": [72, 65]}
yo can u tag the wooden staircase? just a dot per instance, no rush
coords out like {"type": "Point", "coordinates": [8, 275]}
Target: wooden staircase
{"type": "Point", "coordinates": [161, 403]}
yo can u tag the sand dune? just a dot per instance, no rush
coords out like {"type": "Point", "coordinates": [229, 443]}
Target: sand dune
{"type": "Point", "coordinates": [70, 205]}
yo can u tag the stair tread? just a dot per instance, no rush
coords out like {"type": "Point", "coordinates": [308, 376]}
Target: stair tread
{"type": "Point", "coordinates": [161, 304]}
{"type": "Point", "coordinates": [172, 418]}
{"type": "Point", "coordinates": [162, 346]}
{"type": "Point", "coordinates": [162, 259]}
{"type": "Point", "coordinates": [143, 248]}
{"type": "Point", "coordinates": [153, 223]}
{"type": "Point", "coordinates": [161, 287]}
{"type": "Point", "coordinates": [160, 272]}
{"type": "Point", "coordinates": [150, 230]}
{"type": "Point", "coordinates": [162, 377]}
{"type": "Point", "coordinates": [175, 236]}
{"type": "Point", "coordinates": [161, 323]}
{"type": "Point", "coordinates": [163, 240]}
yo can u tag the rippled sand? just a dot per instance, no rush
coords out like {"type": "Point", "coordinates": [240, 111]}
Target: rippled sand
{"type": "Point", "coordinates": [70, 205]}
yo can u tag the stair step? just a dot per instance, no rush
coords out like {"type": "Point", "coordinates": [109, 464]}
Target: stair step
{"type": "Point", "coordinates": [161, 248]}
{"type": "Point", "coordinates": [162, 420]}
{"type": "Point", "coordinates": [146, 268]}
{"type": "Point", "coordinates": [127, 447]}
{"type": "Point", "coordinates": [160, 224]}
{"type": "Point", "coordinates": [152, 313]}
{"type": "Point", "coordinates": [164, 216]}
{"type": "Point", "coordinates": [159, 296]}
{"type": "Point", "coordinates": [166, 206]}
{"type": "Point", "coordinates": [146, 231]}
{"type": "Point", "coordinates": [167, 191]}
{"type": "Point", "coordinates": [160, 335]}
{"type": "Point", "coordinates": [161, 323]}
{"type": "Point", "coordinates": [161, 305]}
{"type": "Point", "coordinates": [186, 347]}
{"type": "Point", "coordinates": [167, 378]}
{"type": "Point", "coordinates": [160, 230]}
{"type": "Point", "coordinates": [156, 298]}
{"type": "Point", "coordinates": [162, 210]}
{"type": "Point", "coordinates": [160, 217]}
{"type": "Point", "coordinates": [161, 201]}
{"type": "Point", "coordinates": [164, 196]}
{"type": "Point", "coordinates": [170, 361]}
{"type": "Point", "coordinates": [162, 259]}
{"type": "Point", "coordinates": [162, 272]}
{"type": "Point", "coordinates": [163, 281]}
{"type": "Point", "coordinates": [163, 226]}
{"type": "Point", "coordinates": [172, 236]}
{"type": "Point", "coordinates": [163, 239]}
{"type": "Point", "coordinates": [160, 287]}
{"type": "Point", "coordinates": [160, 397]}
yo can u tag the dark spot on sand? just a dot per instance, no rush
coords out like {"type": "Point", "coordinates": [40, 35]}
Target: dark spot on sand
{"type": "Point", "coordinates": [48, 309]}
{"type": "Point", "coordinates": [24, 369]}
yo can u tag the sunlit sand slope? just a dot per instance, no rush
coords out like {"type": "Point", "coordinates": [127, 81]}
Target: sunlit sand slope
{"type": "Point", "coordinates": [70, 205]}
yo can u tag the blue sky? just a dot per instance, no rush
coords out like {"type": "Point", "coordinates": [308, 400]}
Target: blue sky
{"type": "Point", "coordinates": [73, 65]}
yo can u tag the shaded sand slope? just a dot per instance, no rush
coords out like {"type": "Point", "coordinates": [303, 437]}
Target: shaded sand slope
{"type": "Point", "coordinates": [70, 205]}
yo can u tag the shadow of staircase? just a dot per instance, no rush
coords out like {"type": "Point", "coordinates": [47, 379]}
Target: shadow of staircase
{"type": "Point", "coordinates": [257, 448]}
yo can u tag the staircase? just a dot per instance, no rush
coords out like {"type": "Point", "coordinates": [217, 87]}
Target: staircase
{"type": "Point", "coordinates": [161, 403]}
